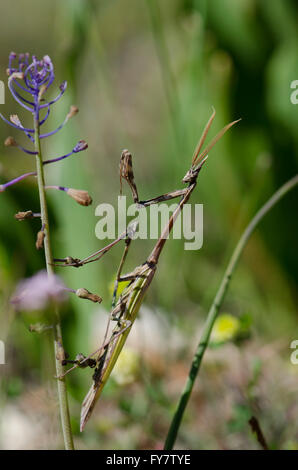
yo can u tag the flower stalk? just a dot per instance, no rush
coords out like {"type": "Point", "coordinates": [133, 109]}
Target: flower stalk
{"type": "Point", "coordinates": [62, 391]}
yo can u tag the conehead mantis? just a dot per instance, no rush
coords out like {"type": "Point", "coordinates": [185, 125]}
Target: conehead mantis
{"type": "Point", "coordinates": [125, 310]}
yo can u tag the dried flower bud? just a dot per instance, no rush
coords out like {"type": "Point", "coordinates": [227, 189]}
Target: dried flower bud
{"type": "Point", "coordinates": [81, 196]}
{"type": "Point", "coordinates": [39, 328]}
{"type": "Point", "coordinates": [2, 188]}
{"type": "Point", "coordinates": [15, 120]}
{"type": "Point", "coordinates": [39, 240]}
{"type": "Point", "coordinates": [81, 145]}
{"type": "Point", "coordinates": [18, 75]}
{"type": "Point", "coordinates": [46, 59]}
{"type": "Point", "coordinates": [72, 112]}
{"type": "Point", "coordinates": [42, 91]}
{"type": "Point", "coordinates": [10, 142]}
{"type": "Point", "coordinates": [85, 294]}
{"type": "Point", "coordinates": [24, 215]}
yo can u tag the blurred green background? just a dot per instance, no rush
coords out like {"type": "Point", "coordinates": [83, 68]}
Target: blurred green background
{"type": "Point", "coordinates": [144, 74]}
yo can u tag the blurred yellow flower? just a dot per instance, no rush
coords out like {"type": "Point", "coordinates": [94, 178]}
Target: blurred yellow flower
{"type": "Point", "coordinates": [127, 367]}
{"type": "Point", "coordinates": [225, 328]}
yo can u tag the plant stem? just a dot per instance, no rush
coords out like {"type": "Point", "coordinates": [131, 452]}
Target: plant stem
{"type": "Point", "coordinates": [62, 392]}
{"type": "Point", "coordinates": [215, 307]}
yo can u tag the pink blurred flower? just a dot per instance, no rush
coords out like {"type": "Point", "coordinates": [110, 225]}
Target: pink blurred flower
{"type": "Point", "coordinates": [38, 291]}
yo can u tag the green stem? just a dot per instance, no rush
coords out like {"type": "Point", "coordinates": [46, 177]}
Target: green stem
{"type": "Point", "coordinates": [215, 307]}
{"type": "Point", "coordinates": [62, 392]}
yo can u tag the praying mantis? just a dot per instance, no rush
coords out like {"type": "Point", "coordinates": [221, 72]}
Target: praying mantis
{"type": "Point", "coordinates": [124, 310]}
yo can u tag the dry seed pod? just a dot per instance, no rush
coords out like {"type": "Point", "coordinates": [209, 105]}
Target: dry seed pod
{"type": "Point", "coordinates": [10, 142]}
{"type": "Point", "coordinates": [39, 240]}
{"type": "Point", "coordinates": [72, 112]}
{"type": "Point", "coordinates": [15, 120]}
{"type": "Point", "coordinates": [80, 196]}
{"type": "Point", "coordinates": [85, 294]}
{"type": "Point", "coordinates": [42, 91]}
{"type": "Point", "coordinates": [16, 75]}
{"type": "Point", "coordinates": [24, 215]}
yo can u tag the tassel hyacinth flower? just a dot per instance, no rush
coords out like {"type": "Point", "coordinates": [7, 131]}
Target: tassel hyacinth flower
{"type": "Point", "coordinates": [29, 80]}
{"type": "Point", "coordinates": [28, 83]}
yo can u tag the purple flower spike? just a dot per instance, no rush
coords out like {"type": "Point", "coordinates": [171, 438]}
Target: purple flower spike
{"type": "Point", "coordinates": [32, 78]}
{"type": "Point", "coordinates": [38, 291]}
{"type": "Point", "coordinates": [28, 81]}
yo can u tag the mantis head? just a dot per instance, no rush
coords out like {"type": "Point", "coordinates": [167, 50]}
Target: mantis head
{"type": "Point", "coordinates": [200, 157]}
